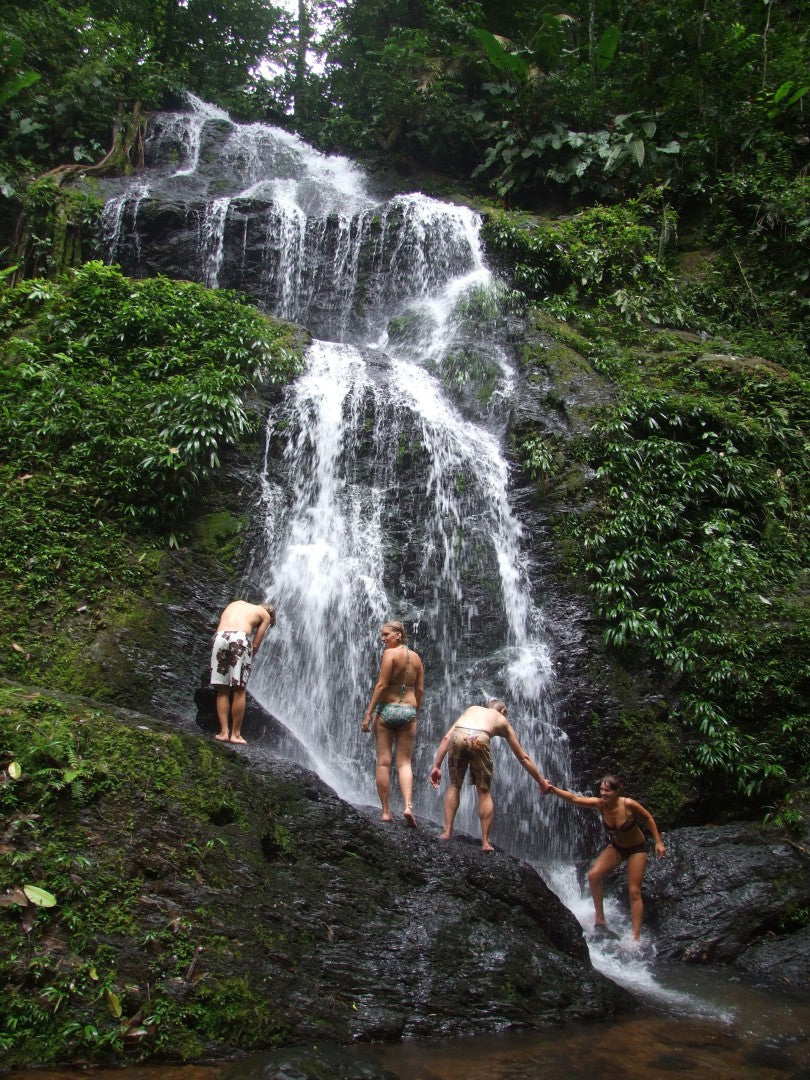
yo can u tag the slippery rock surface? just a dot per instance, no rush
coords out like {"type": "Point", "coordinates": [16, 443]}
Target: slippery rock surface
{"type": "Point", "coordinates": [733, 894]}
{"type": "Point", "coordinates": [232, 902]}
{"type": "Point", "coordinates": [402, 935]}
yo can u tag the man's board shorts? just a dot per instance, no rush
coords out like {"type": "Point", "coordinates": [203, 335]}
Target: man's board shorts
{"type": "Point", "coordinates": [396, 715]}
{"type": "Point", "coordinates": [231, 656]}
{"type": "Point", "coordinates": [470, 747]}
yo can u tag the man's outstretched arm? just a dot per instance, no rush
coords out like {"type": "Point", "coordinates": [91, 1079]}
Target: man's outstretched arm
{"type": "Point", "coordinates": [524, 759]}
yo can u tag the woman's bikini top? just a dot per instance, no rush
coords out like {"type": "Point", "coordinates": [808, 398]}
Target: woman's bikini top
{"type": "Point", "coordinates": [630, 822]}
{"type": "Point", "coordinates": [404, 687]}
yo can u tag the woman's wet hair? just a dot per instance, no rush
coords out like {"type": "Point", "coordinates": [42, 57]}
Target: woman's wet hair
{"type": "Point", "coordinates": [612, 783]}
{"type": "Point", "coordinates": [398, 626]}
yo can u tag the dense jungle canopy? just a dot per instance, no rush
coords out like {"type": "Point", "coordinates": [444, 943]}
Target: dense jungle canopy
{"type": "Point", "coordinates": [643, 172]}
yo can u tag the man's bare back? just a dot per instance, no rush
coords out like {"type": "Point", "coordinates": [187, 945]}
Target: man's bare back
{"type": "Point", "coordinates": [490, 721]}
{"type": "Point", "coordinates": [240, 615]}
{"type": "Point", "coordinates": [481, 718]}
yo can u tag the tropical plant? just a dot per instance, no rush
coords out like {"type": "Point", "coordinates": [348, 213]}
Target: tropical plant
{"type": "Point", "coordinates": [697, 551]}
{"type": "Point", "coordinates": [133, 389]}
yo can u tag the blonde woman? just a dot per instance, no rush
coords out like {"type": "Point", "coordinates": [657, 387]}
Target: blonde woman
{"type": "Point", "coordinates": [392, 711]}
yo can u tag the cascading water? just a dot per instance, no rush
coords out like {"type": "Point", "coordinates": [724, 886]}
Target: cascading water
{"type": "Point", "coordinates": [386, 489]}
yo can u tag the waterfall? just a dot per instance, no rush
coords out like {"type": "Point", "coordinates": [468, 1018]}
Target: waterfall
{"type": "Point", "coordinates": [385, 485]}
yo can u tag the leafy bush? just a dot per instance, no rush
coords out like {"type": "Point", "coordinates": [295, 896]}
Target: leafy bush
{"type": "Point", "coordinates": [697, 552]}
{"type": "Point", "coordinates": [131, 388]}
{"type": "Point", "coordinates": [610, 256]}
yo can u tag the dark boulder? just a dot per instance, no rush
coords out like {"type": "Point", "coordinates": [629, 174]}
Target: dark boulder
{"type": "Point", "coordinates": [259, 725]}
{"type": "Point", "coordinates": [408, 936]}
{"type": "Point", "coordinates": [734, 894]}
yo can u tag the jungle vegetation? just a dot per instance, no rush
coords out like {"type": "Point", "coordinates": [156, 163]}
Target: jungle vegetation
{"type": "Point", "coordinates": [643, 171]}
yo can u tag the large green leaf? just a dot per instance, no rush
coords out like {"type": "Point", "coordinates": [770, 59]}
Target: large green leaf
{"type": "Point", "coordinates": [17, 84]}
{"type": "Point", "coordinates": [606, 47]}
{"type": "Point", "coordinates": [549, 41]}
{"type": "Point", "coordinates": [507, 62]}
{"type": "Point", "coordinates": [636, 148]}
{"type": "Point", "coordinates": [113, 1002]}
{"type": "Point", "coordinates": [39, 897]}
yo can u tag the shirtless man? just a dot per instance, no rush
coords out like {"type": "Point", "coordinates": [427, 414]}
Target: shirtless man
{"type": "Point", "coordinates": [467, 743]}
{"type": "Point", "coordinates": [231, 656]}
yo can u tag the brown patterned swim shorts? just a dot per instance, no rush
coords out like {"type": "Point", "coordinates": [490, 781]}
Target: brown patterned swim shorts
{"type": "Point", "coordinates": [231, 656]}
{"type": "Point", "coordinates": [470, 747]}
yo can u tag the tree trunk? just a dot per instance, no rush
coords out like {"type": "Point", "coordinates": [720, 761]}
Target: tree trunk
{"type": "Point", "coordinates": [48, 242]}
{"type": "Point", "coordinates": [299, 85]}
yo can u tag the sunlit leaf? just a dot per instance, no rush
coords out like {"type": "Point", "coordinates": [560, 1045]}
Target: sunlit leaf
{"type": "Point", "coordinates": [113, 1004]}
{"type": "Point", "coordinates": [39, 897]}
{"type": "Point", "coordinates": [14, 770]}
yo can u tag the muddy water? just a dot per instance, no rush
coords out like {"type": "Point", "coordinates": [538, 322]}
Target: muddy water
{"type": "Point", "coordinates": [638, 1048]}
{"type": "Point", "coordinates": [693, 1022]}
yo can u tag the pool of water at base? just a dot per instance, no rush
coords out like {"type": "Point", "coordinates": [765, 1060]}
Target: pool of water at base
{"type": "Point", "coordinates": [755, 1035]}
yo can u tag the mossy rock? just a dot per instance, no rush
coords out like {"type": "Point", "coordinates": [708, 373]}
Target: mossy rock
{"type": "Point", "coordinates": [219, 538]}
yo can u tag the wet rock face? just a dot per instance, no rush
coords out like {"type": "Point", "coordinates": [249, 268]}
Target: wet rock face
{"type": "Point", "coordinates": [349, 929]}
{"type": "Point", "coordinates": [734, 895]}
{"type": "Point", "coordinates": [409, 936]}
{"type": "Point", "coordinates": [259, 725]}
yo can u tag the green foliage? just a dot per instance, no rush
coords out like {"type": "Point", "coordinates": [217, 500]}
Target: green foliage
{"type": "Point", "coordinates": [608, 256]}
{"type": "Point", "coordinates": [696, 554]}
{"type": "Point", "coordinates": [71, 67]}
{"type": "Point", "coordinates": [119, 398]}
{"type": "Point", "coordinates": [88, 68]}
{"type": "Point", "coordinates": [615, 262]}
{"type": "Point", "coordinates": [693, 538]}
{"type": "Point", "coordinates": [58, 219]}
{"type": "Point", "coordinates": [398, 80]}
{"type": "Point", "coordinates": [762, 221]}
{"type": "Point", "coordinates": [536, 456]}
{"type": "Point", "coordinates": [90, 785]}
{"type": "Point", "coordinates": [14, 80]}
{"type": "Point", "coordinates": [131, 389]}
{"type": "Point", "coordinates": [605, 102]}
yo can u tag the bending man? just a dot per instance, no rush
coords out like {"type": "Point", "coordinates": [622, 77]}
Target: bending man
{"type": "Point", "coordinates": [242, 627]}
{"type": "Point", "coordinates": [467, 745]}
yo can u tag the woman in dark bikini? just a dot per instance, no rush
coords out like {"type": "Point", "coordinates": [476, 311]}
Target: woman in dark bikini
{"type": "Point", "coordinates": [394, 704]}
{"type": "Point", "coordinates": [627, 842]}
